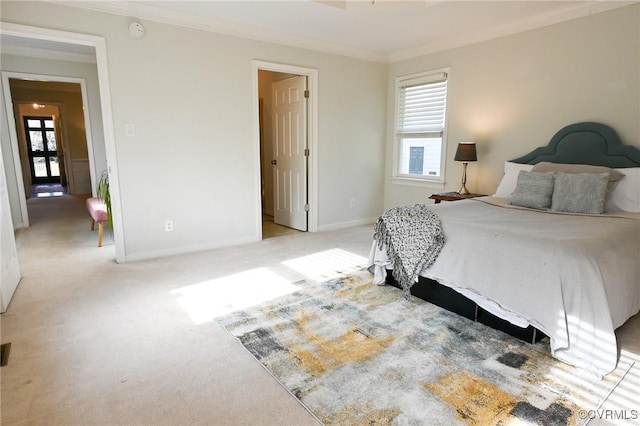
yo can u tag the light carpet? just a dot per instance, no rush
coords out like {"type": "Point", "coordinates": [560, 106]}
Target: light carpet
{"type": "Point", "coordinates": [356, 353]}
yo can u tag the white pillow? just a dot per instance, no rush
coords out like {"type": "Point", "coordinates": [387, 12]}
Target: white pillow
{"type": "Point", "coordinates": [626, 194]}
{"type": "Point", "coordinates": [510, 178]}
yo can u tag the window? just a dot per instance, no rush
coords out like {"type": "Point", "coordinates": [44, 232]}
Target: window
{"type": "Point", "coordinates": [43, 149]}
{"type": "Point", "coordinates": [420, 126]}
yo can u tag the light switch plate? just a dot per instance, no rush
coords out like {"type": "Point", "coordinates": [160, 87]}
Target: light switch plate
{"type": "Point", "coordinates": [129, 129]}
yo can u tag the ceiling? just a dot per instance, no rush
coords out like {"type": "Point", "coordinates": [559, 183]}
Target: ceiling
{"type": "Point", "coordinates": [378, 30]}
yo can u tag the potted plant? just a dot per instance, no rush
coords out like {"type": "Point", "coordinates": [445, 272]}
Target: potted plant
{"type": "Point", "coordinates": [102, 191]}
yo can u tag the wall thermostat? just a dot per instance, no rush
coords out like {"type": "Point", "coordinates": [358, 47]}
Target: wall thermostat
{"type": "Point", "coordinates": [136, 30]}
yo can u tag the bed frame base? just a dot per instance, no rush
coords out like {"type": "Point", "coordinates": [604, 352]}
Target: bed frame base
{"type": "Point", "coordinates": [449, 299]}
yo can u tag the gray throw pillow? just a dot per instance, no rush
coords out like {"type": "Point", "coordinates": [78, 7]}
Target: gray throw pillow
{"type": "Point", "coordinates": [533, 190]}
{"type": "Point", "coordinates": [580, 192]}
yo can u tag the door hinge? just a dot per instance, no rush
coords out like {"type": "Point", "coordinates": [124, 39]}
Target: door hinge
{"type": "Point", "coordinates": [306, 207]}
{"type": "Point", "coordinates": [306, 93]}
{"type": "Point", "coordinates": [306, 152]}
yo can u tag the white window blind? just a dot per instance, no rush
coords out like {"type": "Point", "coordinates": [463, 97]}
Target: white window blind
{"type": "Point", "coordinates": [422, 107]}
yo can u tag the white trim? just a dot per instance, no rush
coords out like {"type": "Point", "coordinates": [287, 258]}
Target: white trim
{"type": "Point", "coordinates": [56, 55]}
{"type": "Point", "coordinates": [312, 132]}
{"type": "Point", "coordinates": [348, 224]}
{"type": "Point", "coordinates": [196, 248]}
{"type": "Point", "coordinates": [68, 161]}
{"type": "Point", "coordinates": [422, 183]}
{"type": "Point", "coordinates": [110, 147]}
{"type": "Point", "coordinates": [15, 151]}
{"type": "Point", "coordinates": [40, 33]}
{"type": "Point", "coordinates": [100, 46]}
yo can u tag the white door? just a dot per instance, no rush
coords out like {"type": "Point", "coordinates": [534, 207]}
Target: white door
{"type": "Point", "coordinates": [10, 274]}
{"type": "Point", "coordinates": [289, 152]}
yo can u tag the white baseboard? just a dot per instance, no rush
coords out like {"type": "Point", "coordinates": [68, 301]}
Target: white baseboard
{"type": "Point", "coordinates": [349, 224]}
{"type": "Point", "coordinates": [174, 251]}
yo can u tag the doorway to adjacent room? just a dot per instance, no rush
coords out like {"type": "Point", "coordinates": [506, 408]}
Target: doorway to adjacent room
{"type": "Point", "coordinates": [287, 143]}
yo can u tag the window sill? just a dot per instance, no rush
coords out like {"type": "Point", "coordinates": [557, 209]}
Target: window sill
{"type": "Point", "coordinates": [422, 183]}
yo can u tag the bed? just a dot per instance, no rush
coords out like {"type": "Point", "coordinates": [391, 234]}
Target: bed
{"type": "Point", "coordinates": [555, 248]}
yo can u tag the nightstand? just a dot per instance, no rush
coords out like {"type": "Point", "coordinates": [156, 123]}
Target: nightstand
{"type": "Point", "coordinates": [452, 196]}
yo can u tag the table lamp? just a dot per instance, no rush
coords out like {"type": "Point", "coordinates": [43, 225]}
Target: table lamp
{"type": "Point", "coordinates": [465, 153]}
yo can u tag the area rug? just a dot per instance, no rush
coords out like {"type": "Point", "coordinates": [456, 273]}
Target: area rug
{"type": "Point", "coordinates": [356, 353]}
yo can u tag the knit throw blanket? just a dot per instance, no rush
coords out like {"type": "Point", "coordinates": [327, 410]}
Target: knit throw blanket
{"type": "Point", "coordinates": [413, 239]}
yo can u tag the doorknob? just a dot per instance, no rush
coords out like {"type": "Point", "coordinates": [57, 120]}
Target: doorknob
{"type": "Point", "coordinates": [274, 162]}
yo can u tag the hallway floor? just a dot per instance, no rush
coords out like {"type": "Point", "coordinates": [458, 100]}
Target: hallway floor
{"type": "Point", "coordinates": [43, 190]}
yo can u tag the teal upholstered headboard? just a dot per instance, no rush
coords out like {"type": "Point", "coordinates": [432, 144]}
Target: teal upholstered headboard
{"type": "Point", "coordinates": [585, 143]}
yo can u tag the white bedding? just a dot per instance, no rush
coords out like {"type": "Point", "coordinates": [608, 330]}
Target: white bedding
{"type": "Point", "coordinates": [575, 277]}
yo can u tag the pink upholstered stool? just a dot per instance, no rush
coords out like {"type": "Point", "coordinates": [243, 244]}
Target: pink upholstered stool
{"type": "Point", "coordinates": [98, 211]}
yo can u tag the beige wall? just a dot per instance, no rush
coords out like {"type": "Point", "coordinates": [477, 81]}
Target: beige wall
{"type": "Point", "coordinates": [511, 95]}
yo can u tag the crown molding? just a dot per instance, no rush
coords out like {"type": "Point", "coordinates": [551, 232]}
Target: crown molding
{"type": "Point", "coordinates": [142, 11]}
{"type": "Point", "coordinates": [57, 55]}
{"type": "Point", "coordinates": [520, 26]}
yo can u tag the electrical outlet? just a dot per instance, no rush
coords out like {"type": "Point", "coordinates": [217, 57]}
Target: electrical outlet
{"type": "Point", "coordinates": [352, 203]}
{"type": "Point", "coordinates": [168, 226]}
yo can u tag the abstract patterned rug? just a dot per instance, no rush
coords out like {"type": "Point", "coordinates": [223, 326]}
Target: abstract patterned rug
{"type": "Point", "coordinates": [356, 353]}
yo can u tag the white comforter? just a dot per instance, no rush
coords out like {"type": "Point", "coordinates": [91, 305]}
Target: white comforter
{"type": "Point", "coordinates": [575, 277]}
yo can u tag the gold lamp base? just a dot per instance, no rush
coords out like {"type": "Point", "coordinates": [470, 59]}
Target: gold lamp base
{"type": "Point", "coordinates": [463, 189]}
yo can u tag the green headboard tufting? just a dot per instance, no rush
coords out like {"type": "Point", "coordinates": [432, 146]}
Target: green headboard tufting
{"type": "Point", "coordinates": [585, 143]}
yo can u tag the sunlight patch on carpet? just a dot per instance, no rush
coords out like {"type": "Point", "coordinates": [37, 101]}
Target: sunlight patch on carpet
{"type": "Point", "coordinates": [326, 265]}
{"type": "Point", "coordinates": [622, 405]}
{"type": "Point", "coordinates": [356, 353]}
{"type": "Point", "coordinates": [208, 299]}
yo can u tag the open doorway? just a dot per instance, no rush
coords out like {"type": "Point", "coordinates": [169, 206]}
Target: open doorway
{"type": "Point", "coordinates": [287, 145]}
{"type": "Point", "coordinates": [53, 109]}
{"type": "Point", "coordinates": [53, 142]}
{"type": "Point", "coordinates": [278, 208]}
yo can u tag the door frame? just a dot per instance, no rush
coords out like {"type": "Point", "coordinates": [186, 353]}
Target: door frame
{"type": "Point", "coordinates": [13, 131]}
{"type": "Point", "coordinates": [9, 266]}
{"type": "Point", "coordinates": [100, 47]}
{"type": "Point", "coordinates": [312, 139]}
